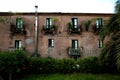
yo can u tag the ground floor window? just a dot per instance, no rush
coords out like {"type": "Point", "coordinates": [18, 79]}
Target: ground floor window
{"type": "Point", "coordinates": [18, 44]}
{"type": "Point", "coordinates": [75, 44]}
{"type": "Point", "coordinates": [51, 43]}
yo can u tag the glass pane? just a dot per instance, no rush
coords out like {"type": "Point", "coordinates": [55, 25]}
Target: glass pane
{"type": "Point", "coordinates": [75, 22]}
{"type": "Point", "coordinates": [19, 23]}
{"type": "Point", "coordinates": [75, 44]}
{"type": "Point", "coordinates": [47, 23]}
{"type": "Point", "coordinates": [52, 42]}
{"type": "Point", "coordinates": [97, 23]}
{"type": "Point", "coordinates": [50, 21]}
{"type": "Point", "coordinates": [16, 44]}
{"type": "Point", "coordinates": [20, 44]}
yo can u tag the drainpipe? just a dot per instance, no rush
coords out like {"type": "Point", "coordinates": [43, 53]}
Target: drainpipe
{"type": "Point", "coordinates": [36, 32]}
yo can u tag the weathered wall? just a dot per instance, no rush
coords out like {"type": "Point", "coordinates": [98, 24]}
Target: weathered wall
{"type": "Point", "coordinates": [88, 40]}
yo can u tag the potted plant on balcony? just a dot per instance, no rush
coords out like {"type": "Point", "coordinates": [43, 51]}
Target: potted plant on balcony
{"type": "Point", "coordinates": [87, 25]}
{"type": "Point", "coordinates": [69, 26]}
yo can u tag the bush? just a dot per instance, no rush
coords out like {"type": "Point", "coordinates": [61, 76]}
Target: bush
{"type": "Point", "coordinates": [41, 65]}
{"type": "Point", "coordinates": [47, 65]}
{"type": "Point", "coordinates": [90, 64]}
{"type": "Point", "coordinates": [13, 62]}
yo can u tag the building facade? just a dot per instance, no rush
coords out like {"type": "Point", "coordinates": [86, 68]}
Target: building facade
{"type": "Point", "coordinates": [59, 35]}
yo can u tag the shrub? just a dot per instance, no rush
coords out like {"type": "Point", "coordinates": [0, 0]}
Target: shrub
{"type": "Point", "coordinates": [13, 62]}
{"type": "Point", "coordinates": [90, 64]}
{"type": "Point", "coordinates": [47, 65]}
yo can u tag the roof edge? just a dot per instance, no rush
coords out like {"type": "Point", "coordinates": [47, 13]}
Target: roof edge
{"type": "Point", "coordinates": [52, 13]}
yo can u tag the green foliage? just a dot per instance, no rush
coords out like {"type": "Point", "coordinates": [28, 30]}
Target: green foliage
{"type": "Point", "coordinates": [47, 65]}
{"type": "Point", "coordinates": [113, 26]}
{"type": "Point", "coordinates": [87, 25]}
{"type": "Point", "coordinates": [13, 62]}
{"type": "Point", "coordinates": [69, 25]}
{"type": "Point", "coordinates": [117, 7]}
{"type": "Point", "coordinates": [2, 19]}
{"type": "Point", "coordinates": [90, 64]}
{"type": "Point", "coordinates": [110, 55]}
{"type": "Point", "coordinates": [74, 76]}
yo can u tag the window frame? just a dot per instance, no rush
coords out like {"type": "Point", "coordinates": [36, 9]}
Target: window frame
{"type": "Point", "coordinates": [51, 43]}
{"type": "Point", "coordinates": [18, 44]}
{"type": "Point", "coordinates": [75, 23]}
{"type": "Point", "coordinates": [99, 23]}
{"type": "Point", "coordinates": [49, 23]}
{"type": "Point", "coordinates": [75, 44]}
{"type": "Point", "coordinates": [19, 23]}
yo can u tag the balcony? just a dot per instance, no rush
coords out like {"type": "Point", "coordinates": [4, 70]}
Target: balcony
{"type": "Point", "coordinates": [74, 52]}
{"type": "Point", "coordinates": [49, 30]}
{"type": "Point", "coordinates": [15, 30]}
{"type": "Point", "coordinates": [74, 29]}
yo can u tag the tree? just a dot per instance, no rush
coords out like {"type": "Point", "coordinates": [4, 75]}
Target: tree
{"type": "Point", "coordinates": [117, 7]}
{"type": "Point", "coordinates": [13, 62]}
{"type": "Point", "coordinates": [110, 55]}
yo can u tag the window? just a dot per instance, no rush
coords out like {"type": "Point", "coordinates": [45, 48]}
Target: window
{"type": "Point", "coordinates": [51, 43]}
{"type": "Point", "coordinates": [98, 23]}
{"type": "Point", "coordinates": [19, 23]}
{"type": "Point", "coordinates": [48, 22]}
{"type": "Point", "coordinates": [75, 22]}
{"type": "Point", "coordinates": [100, 43]}
{"type": "Point", "coordinates": [75, 44]}
{"type": "Point", "coordinates": [18, 44]}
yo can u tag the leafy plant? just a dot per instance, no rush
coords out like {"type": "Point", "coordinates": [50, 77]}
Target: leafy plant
{"type": "Point", "coordinates": [13, 62]}
{"type": "Point", "coordinates": [87, 25]}
{"type": "Point", "coordinates": [69, 25]}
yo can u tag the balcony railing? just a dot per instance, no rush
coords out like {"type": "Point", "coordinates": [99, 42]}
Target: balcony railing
{"type": "Point", "coordinates": [74, 51]}
{"type": "Point", "coordinates": [51, 29]}
{"type": "Point", "coordinates": [74, 30]}
{"type": "Point", "coordinates": [10, 49]}
{"type": "Point", "coordinates": [15, 30]}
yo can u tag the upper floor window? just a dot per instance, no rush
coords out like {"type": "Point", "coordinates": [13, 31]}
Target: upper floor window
{"type": "Point", "coordinates": [19, 23]}
{"type": "Point", "coordinates": [18, 44]}
{"type": "Point", "coordinates": [75, 44]}
{"type": "Point", "coordinates": [48, 22]}
{"type": "Point", "coordinates": [75, 23]}
{"type": "Point", "coordinates": [51, 43]}
{"type": "Point", "coordinates": [98, 23]}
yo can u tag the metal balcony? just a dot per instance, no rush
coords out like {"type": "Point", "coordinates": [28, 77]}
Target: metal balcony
{"type": "Point", "coordinates": [74, 30]}
{"type": "Point", "coordinates": [15, 30]}
{"type": "Point", "coordinates": [49, 30]}
{"type": "Point", "coordinates": [74, 51]}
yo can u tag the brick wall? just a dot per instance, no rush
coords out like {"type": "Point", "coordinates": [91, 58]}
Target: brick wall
{"type": "Point", "coordinates": [87, 40]}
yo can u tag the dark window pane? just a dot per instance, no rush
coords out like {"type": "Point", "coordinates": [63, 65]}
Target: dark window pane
{"type": "Point", "coordinates": [75, 44]}
{"type": "Point", "coordinates": [75, 22]}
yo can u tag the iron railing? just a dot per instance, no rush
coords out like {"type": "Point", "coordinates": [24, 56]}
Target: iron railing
{"type": "Point", "coordinates": [74, 51]}
{"type": "Point", "coordinates": [49, 29]}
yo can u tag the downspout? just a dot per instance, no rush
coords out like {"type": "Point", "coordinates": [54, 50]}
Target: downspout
{"type": "Point", "coordinates": [36, 33]}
